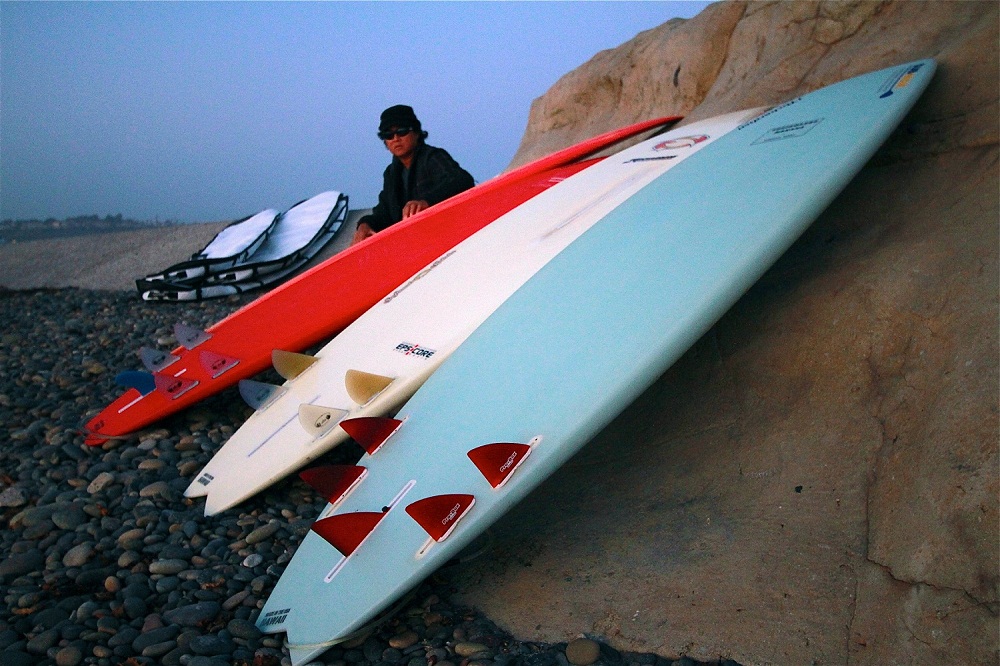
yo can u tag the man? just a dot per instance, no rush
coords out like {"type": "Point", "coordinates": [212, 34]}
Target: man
{"type": "Point", "coordinates": [418, 177]}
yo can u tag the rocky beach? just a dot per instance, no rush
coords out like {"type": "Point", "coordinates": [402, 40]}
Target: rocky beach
{"type": "Point", "coordinates": [103, 561]}
{"type": "Point", "coordinates": [816, 481]}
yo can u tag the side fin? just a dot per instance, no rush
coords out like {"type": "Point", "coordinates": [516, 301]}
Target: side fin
{"type": "Point", "coordinates": [318, 420]}
{"type": "Point", "coordinates": [155, 360]}
{"type": "Point", "coordinates": [259, 394]}
{"type": "Point", "coordinates": [363, 386]}
{"type": "Point", "coordinates": [290, 364]}
{"type": "Point", "coordinates": [216, 364]}
{"type": "Point", "coordinates": [190, 337]}
{"type": "Point", "coordinates": [498, 461]}
{"type": "Point", "coordinates": [334, 482]}
{"type": "Point", "coordinates": [371, 432]}
{"type": "Point", "coordinates": [347, 531]}
{"type": "Point", "coordinates": [439, 515]}
{"type": "Point", "coordinates": [173, 387]}
{"type": "Point", "coordinates": [143, 382]}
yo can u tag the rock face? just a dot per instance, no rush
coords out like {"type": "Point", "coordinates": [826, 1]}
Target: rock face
{"type": "Point", "coordinates": [819, 474]}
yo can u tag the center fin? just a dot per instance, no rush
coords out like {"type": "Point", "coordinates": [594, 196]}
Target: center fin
{"type": "Point", "coordinates": [347, 531]}
{"type": "Point", "coordinates": [318, 420]}
{"type": "Point", "coordinates": [215, 363]}
{"type": "Point", "coordinates": [173, 387]}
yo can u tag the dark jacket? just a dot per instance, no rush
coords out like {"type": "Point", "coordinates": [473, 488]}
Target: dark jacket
{"type": "Point", "coordinates": [434, 177]}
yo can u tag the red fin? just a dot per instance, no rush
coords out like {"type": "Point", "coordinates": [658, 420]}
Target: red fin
{"type": "Point", "coordinates": [371, 432]}
{"type": "Point", "coordinates": [216, 364]}
{"type": "Point", "coordinates": [173, 387]}
{"type": "Point", "coordinates": [498, 461]}
{"type": "Point", "coordinates": [346, 531]}
{"type": "Point", "coordinates": [439, 514]}
{"type": "Point", "coordinates": [334, 482]}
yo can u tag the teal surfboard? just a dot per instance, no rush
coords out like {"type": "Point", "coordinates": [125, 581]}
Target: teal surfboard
{"type": "Point", "coordinates": [572, 348]}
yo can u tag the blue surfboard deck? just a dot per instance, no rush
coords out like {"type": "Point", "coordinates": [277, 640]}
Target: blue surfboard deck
{"type": "Point", "coordinates": [582, 339]}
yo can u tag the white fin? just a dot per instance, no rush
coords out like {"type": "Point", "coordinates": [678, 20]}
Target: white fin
{"type": "Point", "coordinates": [190, 337]}
{"type": "Point", "coordinates": [155, 360]}
{"type": "Point", "coordinates": [259, 394]}
{"type": "Point", "coordinates": [318, 420]}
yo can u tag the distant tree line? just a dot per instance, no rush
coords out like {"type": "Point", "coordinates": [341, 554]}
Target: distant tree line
{"type": "Point", "coordinates": [22, 230]}
{"type": "Point", "coordinates": [84, 220]}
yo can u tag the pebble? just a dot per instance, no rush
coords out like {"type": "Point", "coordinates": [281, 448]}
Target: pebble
{"type": "Point", "coordinates": [102, 559]}
{"type": "Point", "coordinates": [78, 555]}
{"type": "Point", "coordinates": [12, 498]}
{"type": "Point", "coordinates": [583, 652]}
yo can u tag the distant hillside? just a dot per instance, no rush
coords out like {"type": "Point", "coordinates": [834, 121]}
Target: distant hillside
{"type": "Point", "coordinates": [14, 231]}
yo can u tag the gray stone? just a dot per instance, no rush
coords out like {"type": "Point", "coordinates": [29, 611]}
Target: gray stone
{"type": "Point", "coordinates": [70, 655]}
{"type": "Point", "coordinates": [263, 532]}
{"type": "Point", "coordinates": [12, 497]}
{"type": "Point", "coordinates": [243, 629]}
{"type": "Point", "coordinates": [100, 482]}
{"type": "Point", "coordinates": [19, 564]}
{"type": "Point", "coordinates": [210, 646]}
{"type": "Point", "coordinates": [154, 637]}
{"type": "Point", "coordinates": [194, 614]}
{"type": "Point", "coordinates": [168, 567]}
{"type": "Point", "coordinates": [78, 555]}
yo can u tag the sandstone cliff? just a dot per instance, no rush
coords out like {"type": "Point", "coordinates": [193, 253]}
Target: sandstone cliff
{"type": "Point", "coordinates": [818, 477]}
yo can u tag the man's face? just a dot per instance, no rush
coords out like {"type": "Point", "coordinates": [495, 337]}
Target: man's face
{"type": "Point", "coordinates": [402, 143]}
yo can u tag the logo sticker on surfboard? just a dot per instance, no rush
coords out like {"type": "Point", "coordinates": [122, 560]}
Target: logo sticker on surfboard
{"type": "Point", "coordinates": [681, 142]}
{"type": "Point", "coordinates": [899, 81]}
{"type": "Point", "coordinates": [410, 349]}
{"type": "Point", "coordinates": [672, 144]}
{"type": "Point", "coordinates": [792, 131]}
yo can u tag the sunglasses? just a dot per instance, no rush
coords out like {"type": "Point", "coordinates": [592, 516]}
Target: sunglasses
{"type": "Point", "coordinates": [388, 134]}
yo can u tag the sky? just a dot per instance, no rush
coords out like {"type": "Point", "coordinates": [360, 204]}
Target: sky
{"type": "Point", "coordinates": [208, 111]}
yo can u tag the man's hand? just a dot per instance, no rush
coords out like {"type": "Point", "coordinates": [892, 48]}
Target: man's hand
{"type": "Point", "coordinates": [414, 207]}
{"type": "Point", "coordinates": [364, 231]}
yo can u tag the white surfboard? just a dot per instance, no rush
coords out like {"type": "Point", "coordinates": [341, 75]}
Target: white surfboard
{"type": "Point", "coordinates": [574, 346]}
{"type": "Point", "coordinates": [378, 362]}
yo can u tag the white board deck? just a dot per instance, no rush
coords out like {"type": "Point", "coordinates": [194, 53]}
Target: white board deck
{"type": "Point", "coordinates": [407, 335]}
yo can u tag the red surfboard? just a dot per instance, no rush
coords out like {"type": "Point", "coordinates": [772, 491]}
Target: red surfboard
{"type": "Point", "coordinates": [326, 298]}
